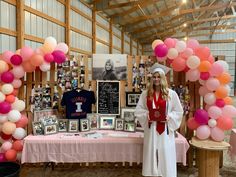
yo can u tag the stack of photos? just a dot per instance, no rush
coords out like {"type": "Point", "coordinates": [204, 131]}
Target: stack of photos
{"type": "Point", "coordinates": [127, 114]}
{"type": "Point", "coordinates": [41, 98]}
{"type": "Point", "coordinates": [47, 103]}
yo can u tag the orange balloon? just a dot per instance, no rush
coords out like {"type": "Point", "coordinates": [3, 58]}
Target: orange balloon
{"type": "Point", "coordinates": [204, 66]}
{"type": "Point", "coordinates": [28, 67]}
{"type": "Point", "coordinates": [17, 145]}
{"type": "Point", "coordinates": [36, 60]}
{"type": "Point", "coordinates": [225, 123]}
{"type": "Point", "coordinates": [221, 92]}
{"type": "Point", "coordinates": [224, 78]}
{"type": "Point", "coordinates": [228, 100]}
{"type": "Point", "coordinates": [10, 155]}
{"type": "Point", "coordinates": [10, 98]}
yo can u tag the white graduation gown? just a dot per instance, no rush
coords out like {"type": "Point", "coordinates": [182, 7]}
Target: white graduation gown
{"type": "Point", "coordinates": [162, 144]}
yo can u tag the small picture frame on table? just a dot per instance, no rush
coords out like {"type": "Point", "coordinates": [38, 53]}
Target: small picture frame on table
{"type": "Point", "coordinates": [37, 128]}
{"type": "Point", "coordinates": [62, 125]}
{"type": "Point", "coordinates": [132, 98]}
{"type": "Point", "coordinates": [49, 120]}
{"type": "Point", "coordinates": [129, 127]}
{"type": "Point", "coordinates": [138, 126]}
{"type": "Point", "coordinates": [107, 122]}
{"type": "Point", "coordinates": [93, 120]}
{"type": "Point", "coordinates": [119, 124]}
{"type": "Point", "coordinates": [38, 114]}
{"type": "Point", "coordinates": [128, 114]}
{"type": "Point", "coordinates": [50, 129]}
{"type": "Point", "coordinates": [84, 125]}
{"type": "Point", "coordinates": [73, 125]}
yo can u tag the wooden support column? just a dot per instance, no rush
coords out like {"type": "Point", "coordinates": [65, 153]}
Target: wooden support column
{"type": "Point", "coordinates": [137, 48]}
{"type": "Point", "coordinates": [20, 28]}
{"type": "Point", "coordinates": [122, 41]}
{"type": "Point", "coordinates": [110, 36]}
{"type": "Point", "coordinates": [142, 50]}
{"type": "Point", "coordinates": [67, 20]}
{"type": "Point", "coordinates": [131, 46]}
{"type": "Point", "coordinates": [93, 31]}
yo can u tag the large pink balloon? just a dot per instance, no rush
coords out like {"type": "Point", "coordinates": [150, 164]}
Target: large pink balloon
{"type": "Point", "coordinates": [192, 124]}
{"type": "Point", "coordinates": [212, 84]}
{"type": "Point", "coordinates": [62, 47]}
{"type": "Point", "coordinates": [192, 75]}
{"type": "Point", "coordinates": [216, 69]}
{"type": "Point", "coordinates": [203, 132]}
{"type": "Point", "coordinates": [16, 59]}
{"type": "Point", "coordinates": [6, 56]}
{"type": "Point", "coordinates": [26, 53]}
{"type": "Point", "coordinates": [202, 52]}
{"type": "Point", "coordinates": [217, 134]}
{"type": "Point", "coordinates": [203, 91]}
{"type": "Point", "coordinates": [228, 111]}
{"type": "Point", "coordinates": [187, 52]}
{"type": "Point", "coordinates": [201, 116]}
{"type": "Point", "coordinates": [220, 103]}
{"type": "Point", "coordinates": [161, 50]}
{"type": "Point", "coordinates": [5, 107]}
{"type": "Point", "coordinates": [204, 75]}
{"type": "Point", "coordinates": [59, 56]}
{"type": "Point", "coordinates": [225, 123]}
{"type": "Point", "coordinates": [214, 112]}
{"type": "Point", "coordinates": [192, 43]}
{"type": "Point", "coordinates": [48, 57]}
{"type": "Point", "coordinates": [179, 64]}
{"type": "Point", "coordinates": [169, 42]}
{"type": "Point", "coordinates": [7, 77]}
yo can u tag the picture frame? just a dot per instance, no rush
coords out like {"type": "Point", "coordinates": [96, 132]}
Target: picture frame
{"type": "Point", "coordinates": [50, 129]}
{"type": "Point", "coordinates": [128, 114]}
{"type": "Point", "coordinates": [119, 125]}
{"type": "Point", "coordinates": [138, 126]}
{"type": "Point", "coordinates": [44, 113]}
{"type": "Point", "coordinates": [93, 121]}
{"type": "Point", "coordinates": [107, 122]}
{"type": "Point", "coordinates": [129, 126]}
{"type": "Point", "coordinates": [132, 98]}
{"type": "Point", "coordinates": [37, 128]}
{"type": "Point", "coordinates": [49, 120]}
{"type": "Point", "coordinates": [62, 125]}
{"type": "Point", "coordinates": [73, 125]}
{"type": "Point", "coordinates": [84, 125]}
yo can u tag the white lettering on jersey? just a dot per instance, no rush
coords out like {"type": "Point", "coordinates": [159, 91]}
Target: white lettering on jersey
{"type": "Point", "coordinates": [78, 107]}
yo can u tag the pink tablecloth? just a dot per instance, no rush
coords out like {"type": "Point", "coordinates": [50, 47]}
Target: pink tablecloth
{"type": "Point", "coordinates": [110, 148]}
{"type": "Point", "coordinates": [232, 142]}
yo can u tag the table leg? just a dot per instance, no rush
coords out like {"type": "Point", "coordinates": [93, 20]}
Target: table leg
{"type": "Point", "coordinates": [208, 163]}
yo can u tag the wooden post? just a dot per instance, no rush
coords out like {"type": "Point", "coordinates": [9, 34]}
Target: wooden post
{"type": "Point", "coordinates": [110, 36]}
{"type": "Point", "coordinates": [122, 41]}
{"type": "Point", "coordinates": [93, 31]}
{"type": "Point", "coordinates": [67, 20]}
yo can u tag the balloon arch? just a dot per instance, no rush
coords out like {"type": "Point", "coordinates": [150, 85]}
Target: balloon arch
{"type": "Point", "coordinates": [13, 67]}
{"type": "Point", "coordinates": [199, 65]}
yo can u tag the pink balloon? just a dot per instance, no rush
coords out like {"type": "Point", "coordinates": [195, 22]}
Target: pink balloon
{"type": "Point", "coordinates": [62, 47]}
{"type": "Point", "coordinates": [214, 112]}
{"type": "Point", "coordinates": [217, 134]}
{"type": "Point", "coordinates": [26, 53]}
{"type": "Point", "coordinates": [192, 124]}
{"type": "Point", "coordinates": [161, 50]}
{"type": "Point", "coordinates": [5, 107]}
{"type": "Point", "coordinates": [17, 83]}
{"type": "Point", "coordinates": [16, 59]}
{"type": "Point", "coordinates": [39, 51]}
{"type": "Point", "coordinates": [216, 69]}
{"type": "Point", "coordinates": [192, 75]}
{"type": "Point", "coordinates": [18, 71]}
{"type": "Point", "coordinates": [201, 116]}
{"type": "Point", "coordinates": [203, 91]}
{"type": "Point", "coordinates": [187, 52]}
{"type": "Point", "coordinates": [203, 132]}
{"type": "Point", "coordinates": [179, 64]}
{"type": "Point", "coordinates": [202, 52]}
{"type": "Point", "coordinates": [169, 42]}
{"type": "Point", "coordinates": [7, 77]}
{"type": "Point", "coordinates": [6, 146]}
{"type": "Point", "coordinates": [225, 123]}
{"type": "Point", "coordinates": [211, 59]}
{"type": "Point", "coordinates": [48, 57]}
{"type": "Point", "coordinates": [59, 56]}
{"type": "Point", "coordinates": [2, 157]}
{"type": "Point", "coordinates": [180, 46]}
{"type": "Point", "coordinates": [204, 75]}
{"type": "Point", "coordinates": [228, 111]}
{"type": "Point", "coordinates": [192, 43]}
{"type": "Point", "coordinates": [6, 56]}
{"type": "Point", "coordinates": [212, 84]}
{"type": "Point", "coordinates": [22, 122]}
{"type": "Point", "coordinates": [220, 103]}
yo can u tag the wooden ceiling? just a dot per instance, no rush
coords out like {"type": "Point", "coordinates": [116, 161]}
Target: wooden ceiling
{"type": "Point", "coordinates": [146, 20]}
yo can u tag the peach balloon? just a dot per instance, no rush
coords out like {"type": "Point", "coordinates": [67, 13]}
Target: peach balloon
{"type": "Point", "coordinates": [179, 64]}
{"type": "Point", "coordinates": [10, 98]}
{"type": "Point", "coordinates": [228, 100]}
{"type": "Point", "coordinates": [225, 123]}
{"type": "Point", "coordinates": [224, 78]}
{"type": "Point", "coordinates": [36, 60]}
{"type": "Point", "coordinates": [221, 92]}
{"type": "Point", "coordinates": [8, 128]}
{"type": "Point", "coordinates": [204, 66]}
{"type": "Point", "coordinates": [3, 66]}
{"type": "Point", "coordinates": [10, 155]}
{"type": "Point", "coordinates": [28, 67]}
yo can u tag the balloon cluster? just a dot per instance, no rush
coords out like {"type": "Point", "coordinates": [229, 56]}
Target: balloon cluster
{"type": "Point", "coordinates": [12, 68]}
{"type": "Point", "coordinates": [199, 65]}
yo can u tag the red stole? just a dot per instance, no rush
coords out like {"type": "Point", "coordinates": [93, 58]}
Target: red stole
{"type": "Point", "coordinates": [157, 114]}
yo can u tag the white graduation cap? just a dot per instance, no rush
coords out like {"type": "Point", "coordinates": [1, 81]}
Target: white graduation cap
{"type": "Point", "coordinates": [159, 68]}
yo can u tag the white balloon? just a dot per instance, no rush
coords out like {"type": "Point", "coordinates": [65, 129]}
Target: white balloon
{"type": "Point", "coordinates": [51, 41]}
{"type": "Point", "coordinates": [2, 97]}
{"type": "Point", "coordinates": [212, 123]}
{"type": "Point", "coordinates": [19, 133]}
{"type": "Point", "coordinates": [210, 98]}
{"type": "Point", "coordinates": [7, 89]}
{"type": "Point", "coordinates": [18, 105]}
{"type": "Point", "coordinates": [193, 62]}
{"type": "Point", "coordinates": [45, 67]}
{"type": "Point", "coordinates": [172, 53]}
{"type": "Point", "coordinates": [180, 46]}
{"type": "Point", "coordinates": [3, 118]}
{"type": "Point", "coordinates": [14, 115]}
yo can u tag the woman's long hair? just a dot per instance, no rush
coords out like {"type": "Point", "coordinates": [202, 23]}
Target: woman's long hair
{"type": "Point", "coordinates": [163, 85]}
{"type": "Point", "coordinates": [112, 64]}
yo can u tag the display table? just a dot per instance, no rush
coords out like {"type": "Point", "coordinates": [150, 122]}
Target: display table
{"type": "Point", "coordinates": [209, 156]}
{"type": "Point", "coordinates": [232, 142]}
{"type": "Point", "coordinates": [113, 146]}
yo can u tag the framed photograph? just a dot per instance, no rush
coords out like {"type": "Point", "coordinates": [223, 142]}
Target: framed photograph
{"type": "Point", "coordinates": [129, 126]}
{"type": "Point", "coordinates": [62, 125]}
{"type": "Point", "coordinates": [84, 125]}
{"type": "Point", "coordinates": [132, 98]}
{"type": "Point", "coordinates": [37, 128]}
{"type": "Point", "coordinates": [44, 113]}
{"type": "Point", "coordinates": [50, 129]}
{"type": "Point", "coordinates": [93, 120]}
{"type": "Point", "coordinates": [119, 124]}
{"type": "Point", "coordinates": [73, 125]}
{"type": "Point", "coordinates": [138, 126]}
{"type": "Point", "coordinates": [128, 114]}
{"type": "Point", "coordinates": [107, 122]}
{"type": "Point", "coordinates": [49, 120]}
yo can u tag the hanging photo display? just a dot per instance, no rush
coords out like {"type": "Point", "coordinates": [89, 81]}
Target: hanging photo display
{"type": "Point", "coordinates": [108, 97]}
{"type": "Point", "coordinates": [109, 67]}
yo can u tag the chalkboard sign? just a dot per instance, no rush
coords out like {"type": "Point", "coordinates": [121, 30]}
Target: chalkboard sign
{"type": "Point", "coordinates": [108, 97]}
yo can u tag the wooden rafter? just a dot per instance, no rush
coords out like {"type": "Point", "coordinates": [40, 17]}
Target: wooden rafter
{"type": "Point", "coordinates": [110, 6]}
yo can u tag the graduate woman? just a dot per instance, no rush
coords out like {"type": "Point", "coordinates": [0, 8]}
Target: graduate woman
{"type": "Point", "coordinates": [160, 113]}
